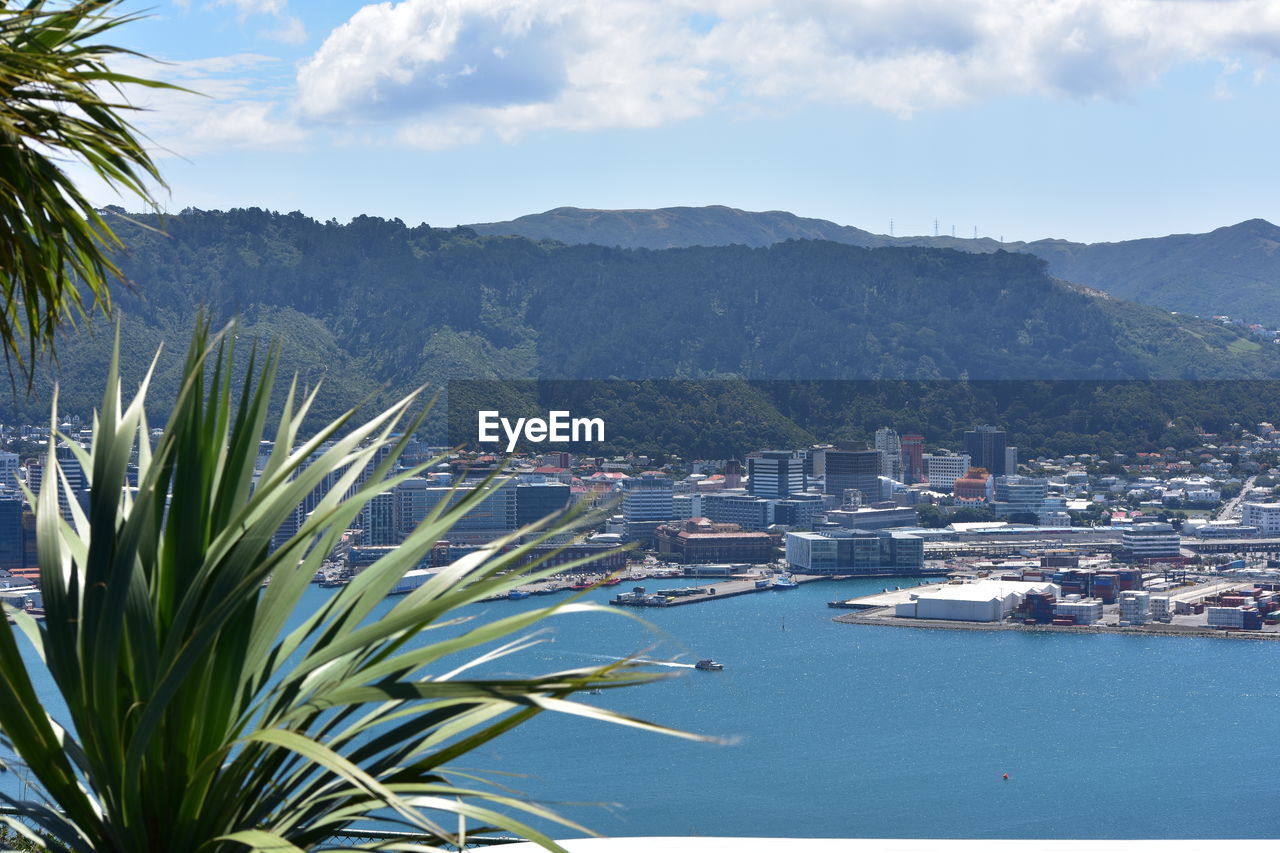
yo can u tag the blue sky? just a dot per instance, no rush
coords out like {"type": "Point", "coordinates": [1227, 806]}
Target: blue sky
{"type": "Point", "coordinates": [1082, 119]}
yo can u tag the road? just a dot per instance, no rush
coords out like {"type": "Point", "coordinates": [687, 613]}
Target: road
{"type": "Point", "coordinates": [1232, 507]}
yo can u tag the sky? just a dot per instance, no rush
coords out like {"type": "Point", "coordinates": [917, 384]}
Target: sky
{"type": "Point", "coordinates": [1089, 120]}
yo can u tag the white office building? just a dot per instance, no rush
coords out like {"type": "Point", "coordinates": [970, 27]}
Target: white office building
{"type": "Point", "coordinates": [776, 474]}
{"type": "Point", "coordinates": [1265, 517]}
{"type": "Point", "coordinates": [890, 447]}
{"type": "Point", "coordinates": [1148, 540]}
{"type": "Point", "coordinates": [943, 471]}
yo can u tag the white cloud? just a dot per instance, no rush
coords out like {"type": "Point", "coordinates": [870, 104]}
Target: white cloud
{"type": "Point", "coordinates": [237, 104]}
{"type": "Point", "coordinates": [291, 29]}
{"type": "Point", "coordinates": [442, 70]}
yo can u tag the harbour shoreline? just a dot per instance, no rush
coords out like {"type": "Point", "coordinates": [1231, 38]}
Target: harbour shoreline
{"type": "Point", "coordinates": [884, 617]}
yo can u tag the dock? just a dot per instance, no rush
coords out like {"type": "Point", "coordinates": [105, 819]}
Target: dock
{"type": "Point", "coordinates": [640, 597]}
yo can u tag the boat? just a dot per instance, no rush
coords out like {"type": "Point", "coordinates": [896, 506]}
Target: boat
{"type": "Point", "coordinates": [517, 594]}
{"type": "Point", "coordinates": [581, 585]}
{"type": "Point", "coordinates": [709, 665]}
{"type": "Point", "coordinates": [785, 582]}
{"type": "Point", "coordinates": [764, 583]}
{"type": "Point", "coordinates": [611, 581]}
{"type": "Point", "coordinates": [545, 590]}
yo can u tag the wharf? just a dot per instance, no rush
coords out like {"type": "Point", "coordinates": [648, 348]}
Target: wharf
{"type": "Point", "coordinates": [698, 594]}
{"type": "Point", "coordinates": [880, 609]}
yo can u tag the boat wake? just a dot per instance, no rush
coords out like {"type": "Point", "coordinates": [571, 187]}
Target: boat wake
{"type": "Point", "coordinates": [668, 663]}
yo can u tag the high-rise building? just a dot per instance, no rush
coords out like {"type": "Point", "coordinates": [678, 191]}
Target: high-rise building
{"type": "Point", "coordinates": [12, 555]}
{"type": "Point", "coordinates": [733, 474]}
{"type": "Point", "coordinates": [986, 448]}
{"type": "Point", "coordinates": [912, 458]}
{"type": "Point", "coordinates": [647, 501]}
{"type": "Point", "coordinates": [942, 470]}
{"type": "Point", "coordinates": [380, 520]}
{"type": "Point", "coordinates": [890, 447]}
{"type": "Point", "coordinates": [536, 501]}
{"type": "Point", "coordinates": [843, 468]}
{"type": "Point", "coordinates": [775, 474]}
{"type": "Point", "coordinates": [1011, 460]}
{"type": "Point", "coordinates": [490, 517]}
{"type": "Point", "coordinates": [9, 478]}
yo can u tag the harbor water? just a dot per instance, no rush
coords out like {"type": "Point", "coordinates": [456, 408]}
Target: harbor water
{"type": "Point", "coordinates": [863, 731]}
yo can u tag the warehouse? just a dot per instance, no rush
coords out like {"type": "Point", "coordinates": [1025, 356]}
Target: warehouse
{"type": "Point", "coordinates": [980, 601]}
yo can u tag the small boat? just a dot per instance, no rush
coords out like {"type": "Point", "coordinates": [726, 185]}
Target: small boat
{"type": "Point", "coordinates": [545, 590]}
{"type": "Point", "coordinates": [581, 585]}
{"type": "Point", "coordinates": [517, 594]}
{"type": "Point", "coordinates": [709, 665]}
{"type": "Point", "coordinates": [611, 582]}
{"type": "Point", "coordinates": [785, 582]}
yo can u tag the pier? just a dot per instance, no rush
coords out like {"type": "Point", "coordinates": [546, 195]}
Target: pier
{"type": "Point", "coordinates": [640, 597]}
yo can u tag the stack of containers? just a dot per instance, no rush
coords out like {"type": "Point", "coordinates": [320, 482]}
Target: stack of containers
{"type": "Point", "coordinates": [1039, 606]}
{"type": "Point", "coordinates": [1226, 617]}
{"type": "Point", "coordinates": [1104, 587]}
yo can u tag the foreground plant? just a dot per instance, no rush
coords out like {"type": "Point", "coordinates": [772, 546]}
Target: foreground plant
{"type": "Point", "coordinates": [198, 721]}
{"type": "Point", "coordinates": [60, 102]}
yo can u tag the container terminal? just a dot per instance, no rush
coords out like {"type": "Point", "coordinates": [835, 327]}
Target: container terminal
{"type": "Point", "coordinates": [1016, 596]}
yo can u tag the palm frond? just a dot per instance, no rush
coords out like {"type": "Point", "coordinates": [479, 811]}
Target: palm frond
{"type": "Point", "coordinates": [61, 102]}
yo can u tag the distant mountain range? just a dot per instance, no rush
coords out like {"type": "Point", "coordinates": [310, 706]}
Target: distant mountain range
{"type": "Point", "coordinates": [1232, 271]}
{"type": "Point", "coordinates": [375, 304]}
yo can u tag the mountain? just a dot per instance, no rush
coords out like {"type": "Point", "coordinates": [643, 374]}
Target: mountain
{"type": "Point", "coordinates": [1232, 271]}
{"type": "Point", "coordinates": [376, 307]}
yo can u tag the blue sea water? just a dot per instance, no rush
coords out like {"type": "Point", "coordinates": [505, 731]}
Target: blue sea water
{"type": "Point", "coordinates": [864, 731]}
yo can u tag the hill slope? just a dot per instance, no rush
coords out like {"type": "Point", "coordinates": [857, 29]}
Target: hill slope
{"type": "Point", "coordinates": [1233, 270]}
{"type": "Point", "coordinates": [377, 305]}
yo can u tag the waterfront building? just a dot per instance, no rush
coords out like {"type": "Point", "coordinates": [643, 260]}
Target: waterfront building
{"type": "Point", "coordinates": [986, 446]}
{"type": "Point", "coordinates": [1264, 517]}
{"type": "Point", "coordinates": [1150, 540]}
{"type": "Point", "coordinates": [942, 470]}
{"type": "Point", "coordinates": [890, 447]}
{"type": "Point", "coordinates": [747, 511]}
{"type": "Point", "coordinates": [842, 551]}
{"type": "Point", "coordinates": [646, 503]}
{"type": "Point", "coordinates": [699, 540]}
{"type": "Point", "coordinates": [978, 601]}
{"type": "Point", "coordinates": [776, 474]}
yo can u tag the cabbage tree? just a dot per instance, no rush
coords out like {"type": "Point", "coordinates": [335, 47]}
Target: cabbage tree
{"type": "Point", "coordinates": [61, 103]}
{"type": "Point", "coordinates": [199, 719]}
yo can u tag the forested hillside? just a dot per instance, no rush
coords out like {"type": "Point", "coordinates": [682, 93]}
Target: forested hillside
{"type": "Point", "coordinates": [1234, 270]}
{"type": "Point", "coordinates": [378, 307]}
